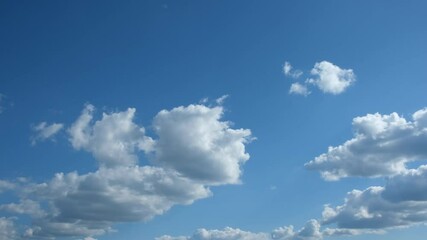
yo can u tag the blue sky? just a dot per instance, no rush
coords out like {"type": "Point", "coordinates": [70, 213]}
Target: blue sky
{"type": "Point", "coordinates": [178, 119]}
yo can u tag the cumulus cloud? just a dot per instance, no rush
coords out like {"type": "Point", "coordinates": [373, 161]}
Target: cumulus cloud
{"type": "Point", "coordinates": [44, 131]}
{"type": "Point", "coordinates": [311, 231]}
{"type": "Point", "coordinates": [299, 89]}
{"type": "Point", "coordinates": [376, 208]}
{"type": "Point", "coordinates": [382, 146]}
{"type": "Point", "coordinates": [330, 78]}
{"type": "Point", "coordinates": [290, 72]}
{"type": "Point", "coordinates": [113, 140]}
{"type": "Point", "coordinates": [194, 142]}
{"type": "Point", "coordinates": [326, 76]}
{"type": "Point", "coordinates": [120, 190]}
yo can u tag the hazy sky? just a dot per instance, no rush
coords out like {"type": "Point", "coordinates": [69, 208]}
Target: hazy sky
{"type": "Point", "coordinates": [203, 120]}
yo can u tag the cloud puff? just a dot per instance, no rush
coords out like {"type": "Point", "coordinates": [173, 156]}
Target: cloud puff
{"type": "Point", "coordinates": [311, 231]}
{"type": "Point", "coordinates": [193, 141]}
{"type": "Point", "coordinates": [299, 89]}
{"type": "Point", "coordinates": [120, 190]}
{"type": "Point", "coordinates": [290, 72]}
{"type": "Point", "coordinates": [44, 131]}
{"type": "Point", "coordinates": [330, 78]}
{"type": "Point", "coordinates": [382, 146]}
{"type": "Point", "coordinates": [326, 76]}
{"type": "Point", "coordinates": [113, 140]}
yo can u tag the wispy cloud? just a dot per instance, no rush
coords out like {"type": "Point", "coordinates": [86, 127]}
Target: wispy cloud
{"type": "Point", "coordinates": [44, 131]}
{"type": "Point", "coordinates": [290, 72]}
{"type": "Point", "coordinates": [299, 89]}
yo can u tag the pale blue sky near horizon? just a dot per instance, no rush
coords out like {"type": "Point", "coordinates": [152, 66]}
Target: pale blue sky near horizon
{"type": "Point", "coordinates": [57, 56]}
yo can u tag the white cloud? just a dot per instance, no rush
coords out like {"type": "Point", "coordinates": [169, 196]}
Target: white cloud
{"type": "Point", "coordinates": [311, 231]}
{"type": "Point", "coordinates": [290, 72]}
{"type": "Point", "coordinates": [26, 206]}
{"type": "Point", "coordinates": [382, 146]}
{"type": "Point", "coordinates": [221, 99]}
{"type": "Point", "coordinates": [193, 141]}
{"type": "Point", "coordinates": [330, 78]}
{"type": "Point", "coordinates": [299, 89]}
{"type": "Point", "coordinates": [44, 131]}
{"type": "Point", "coordinates": [88, 205]}
{"type": "Point", "coordinates": [227, 233]}
{"type": "Point", "coordinates": [113, 141]}
{"type": "Point", "coordinates": [7, 229]}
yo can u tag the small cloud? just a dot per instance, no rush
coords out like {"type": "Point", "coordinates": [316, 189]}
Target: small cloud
{"type": "Point", "coordinates": [2, 96]}
{"type": "Point", "coordinates": [221, 100]}
{"type": "Point", "coordinates": [299, 89]}
{"type": "Point", "coordinates": [273, 188]}
{"type": "Point", "coordinates": [326, 76]}
{"type": "Point", "coordinates": [289, 72]}
{"type": "Point", "coordinates": [330, 78]}
{"type": "Point", "coordinates": [44, 131]}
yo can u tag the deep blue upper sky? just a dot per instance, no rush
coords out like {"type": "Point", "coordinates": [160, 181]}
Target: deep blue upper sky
{"type": "Point", "coordinates": [57, 56]}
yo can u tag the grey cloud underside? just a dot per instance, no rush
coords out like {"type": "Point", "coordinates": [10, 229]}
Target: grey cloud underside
{"type": "Point", "coordinates": [210, 153]}
{"type": "Point", "coordinates": [402, 202]}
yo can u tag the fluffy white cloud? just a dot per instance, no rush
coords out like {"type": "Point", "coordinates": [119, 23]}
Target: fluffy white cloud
{"type": "Point", "coordinates": [45, 131]}
{"type": "Point", "coordinates": [382, 146]}
{"type": "Point", "coordinates": [299, 89]}
{"type": "Point", "coordinates": [7, 229]}
{"type": "Point", "coordinates": [193, 141]}
{"type": "Point", "coordinates": [88, 205]}
{"type": "Point", "coordinates": [113, 140]}
{"type": "Point", "coordinates": [330, 78]}
{"type": "Point", "coordinates": [311, 231]}
{"type": "Point", "coordinates": [288, 71]}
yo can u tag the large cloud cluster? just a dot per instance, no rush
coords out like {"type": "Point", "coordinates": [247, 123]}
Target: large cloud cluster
{"type": "Point", "coordinates": [383, 146]}
{"type": "Point", "coordinates": [193, 151]}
